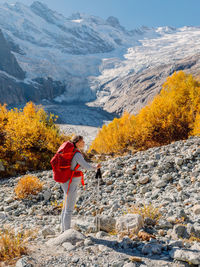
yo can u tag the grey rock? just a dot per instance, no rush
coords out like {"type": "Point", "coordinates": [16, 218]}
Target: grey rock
{"type": "Point", "coordinates": [186, 255]}
{"type": "Point", "coordinates": [107, 223]}
{"type": "Point", "coordinates": [47, 195]}
{"type": "Point", "coordinates": [196, 209]}
{"type": "Point", "coordinates": [48, 231]}
{"type": "Point", "coordinates": [70, 235]}
{"type": "Point", "coordinates": [151, 249]}
{"type": "Point", "coordinates": [179, 231]}
{"type": "Point", "coordinates": [3, 216]}
{"type": "Point", "coordinates": [144, 180]}
{"type": "Point", "coordinates": [167, 177]}
{"type": "Point", "coordinates": [133, 222]}
{"type": "Point", "coordinates": [129, 264]}
{"type": "Point", "coordinates": [23, 263]}
{"type": "Point", "coordinates": [68, 246]}
{"type": "Point", "coordinates": [178, 161]}
{"type": "Point", "coordinates": [160, 184]}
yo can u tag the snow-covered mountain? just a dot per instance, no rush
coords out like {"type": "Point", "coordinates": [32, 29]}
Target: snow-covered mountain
{"type": "Point", "coordinates": [85, 54]}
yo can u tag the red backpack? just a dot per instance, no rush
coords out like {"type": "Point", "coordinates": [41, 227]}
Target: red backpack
{"type": "Point", "coordinates": [61, 163]}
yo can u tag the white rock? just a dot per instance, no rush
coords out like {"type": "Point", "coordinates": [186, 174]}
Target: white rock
{"type": "Point", "coordinates": [68, 246]}
{"type": "Point", "coordinates": [130, 264]}
{"type": "Point", "coordinates": [129, 171]}
{"type": "Point", "coordinates": [106, 174]}
{"type": "Point", "coordinates": [130, 222]}
{"type": "Point", "coordinates": [160, 184]}
{"type": "Point", "coordinates": [186, 255]}
{"type": "Point", "coordinates": [69, 235]}
{"type": "Point", "coordinates": [144, 180]}
{"type": "Point", "coordinates": [196, 209]}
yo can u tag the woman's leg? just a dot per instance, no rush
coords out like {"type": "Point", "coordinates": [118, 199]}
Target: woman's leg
{"type": "Point", "coordinates": [69, 203]}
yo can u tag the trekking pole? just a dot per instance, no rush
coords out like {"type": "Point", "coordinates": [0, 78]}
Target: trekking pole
{"type": "Point", "coordinates": [98, 226]}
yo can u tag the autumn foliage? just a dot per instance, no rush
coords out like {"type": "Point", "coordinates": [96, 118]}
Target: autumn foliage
{"type": "Point", "coordinates": [174, 114]}
{"type": "Point", "coordinates": [28, 139]}
{"type": "Point", "coordinates": [14, 245]}
{"type": "Point", "coordinates": [28, 185]}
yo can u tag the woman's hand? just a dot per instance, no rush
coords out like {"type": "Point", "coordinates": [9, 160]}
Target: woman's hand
{"type": "Point", "coordinates": [98, 166]}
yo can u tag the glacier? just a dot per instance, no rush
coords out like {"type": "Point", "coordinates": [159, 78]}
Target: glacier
{"type": "Point", "coordinates": [87, 48]}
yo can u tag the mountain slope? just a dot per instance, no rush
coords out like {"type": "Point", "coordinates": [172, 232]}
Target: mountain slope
{"type": "Point", "coordinates": [91, 57]}
{"type": "Point", "coordinates": [8, 62]}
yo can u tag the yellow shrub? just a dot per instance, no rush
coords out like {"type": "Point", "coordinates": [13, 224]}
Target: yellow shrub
{"type": "Point", "coordinates": [196, 129]}
{"type": "Point", "coordinates": [28, 185]}
{"type": "Point", "coordinates": [173, 115]}
{"type": "Point", "coordinates": [12, 245]}
{"type": "Point", "coordinates": [146, 211]}
{"type": "Point", "coordinates": [29, 138]}
{"type": "Point", "coordinates": [115, 136]}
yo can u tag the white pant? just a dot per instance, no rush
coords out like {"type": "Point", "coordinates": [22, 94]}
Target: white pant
{"type": "Point", "coordinates": [69, 203]}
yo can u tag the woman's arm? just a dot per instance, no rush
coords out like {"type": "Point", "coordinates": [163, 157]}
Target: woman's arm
{"type": "Point", "coordinates": [79, 159]}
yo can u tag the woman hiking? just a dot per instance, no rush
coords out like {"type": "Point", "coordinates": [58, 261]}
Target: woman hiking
{"type": "Point", "coordinates": [70, 188]}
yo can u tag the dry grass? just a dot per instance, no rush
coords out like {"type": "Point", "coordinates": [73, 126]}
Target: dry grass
{"type": "Point", "coordinates": [57, 205]}
{"type": "Point", "coordinates": [146, 211]}
{"type": "Point", "coordinates": [28, 185]}
{"type": "Point", "coordinates": [14, 245]}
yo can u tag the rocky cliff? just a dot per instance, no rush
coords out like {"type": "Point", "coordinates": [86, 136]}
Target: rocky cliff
{"type": "Point", "coordinates": [8, 62]}
{"type": "Point", "coordinates": [135, 91]}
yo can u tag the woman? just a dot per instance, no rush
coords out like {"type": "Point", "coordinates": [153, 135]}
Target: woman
{"type": "Point", "coordinates": [70, 199]}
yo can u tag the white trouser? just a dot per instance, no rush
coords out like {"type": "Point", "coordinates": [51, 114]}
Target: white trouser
{"type": "Point", "coordinates": [69, 203]}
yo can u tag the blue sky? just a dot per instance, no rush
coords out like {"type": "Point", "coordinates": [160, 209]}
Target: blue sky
{"type": "Point", "coordinates": [132, 13]}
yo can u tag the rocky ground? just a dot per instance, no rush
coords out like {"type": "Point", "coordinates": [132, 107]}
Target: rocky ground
{"type": "Point", "coordinates": [168, 177]}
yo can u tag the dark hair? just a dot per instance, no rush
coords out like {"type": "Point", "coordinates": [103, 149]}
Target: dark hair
{"type": "Point", "coordinates": [75, 139]}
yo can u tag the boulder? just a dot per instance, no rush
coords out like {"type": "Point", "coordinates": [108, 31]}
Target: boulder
{"type": "Point", "coordinates": [107, 223]}
{"type": "Point", "coordinates": [69, 235]}
{"type": "Point", "coordinates": [192, 256]}
{"type": "Point", "coordinates": [130, 222]}
{"type": "Point", "coordinates": [179, 231]}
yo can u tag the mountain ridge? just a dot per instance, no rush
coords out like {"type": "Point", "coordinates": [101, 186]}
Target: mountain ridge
{"type": "Point", "coordinates": [86, 53]}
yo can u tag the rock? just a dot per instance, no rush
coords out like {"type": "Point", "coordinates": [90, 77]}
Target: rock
{"type": "Point", "coordinates": [128, 222]}
{"type": "Point", "coordinates": [107, 223]}
{"type": "Point", "coordinates": [186, 255]}
{"type": "Point", "coordinates": [196, 209]}
{"type": "Point", "coordinates": [149, 221]}
{"type": "Point", "coordinates": [47, 195]}
{"type": "Point", "coordinates": [9, 200]}
{"type": "Point", "coordinates": [68, 246]}
{"type": "Point", "coordinates": [144, 180]}
{"type": "Point", "coordinates": [23, 263]}
{"type": "Point", "coordinates": [160, 184]}
{"type": "Point", "coordinates": [69, 235]}
{"type": "Point", "coordinates": [167, 177]}
{"type": "Point", "coordinates": [151, 249]}
{"type": "Point", "coordinates": [129, 264]}
{"type": "Point", "coordinates": [88, 242]}
{"type": "Point", "coordinates": [3, 216]}
{"type": "Point", "coordinates": [179, 231]}
{"type": "Point", "coordinates": [106, 174]}
{"type": "Point", "coordinates": [178, 161]}
{"type": "Point", "coordinates": [176, 243]}
{"type": "Point", "coordinates": [47, 231]}
{"type": "Point", "coordinates": [129, 171]}
{"type": "Point", "coordinates": [101, 234]}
